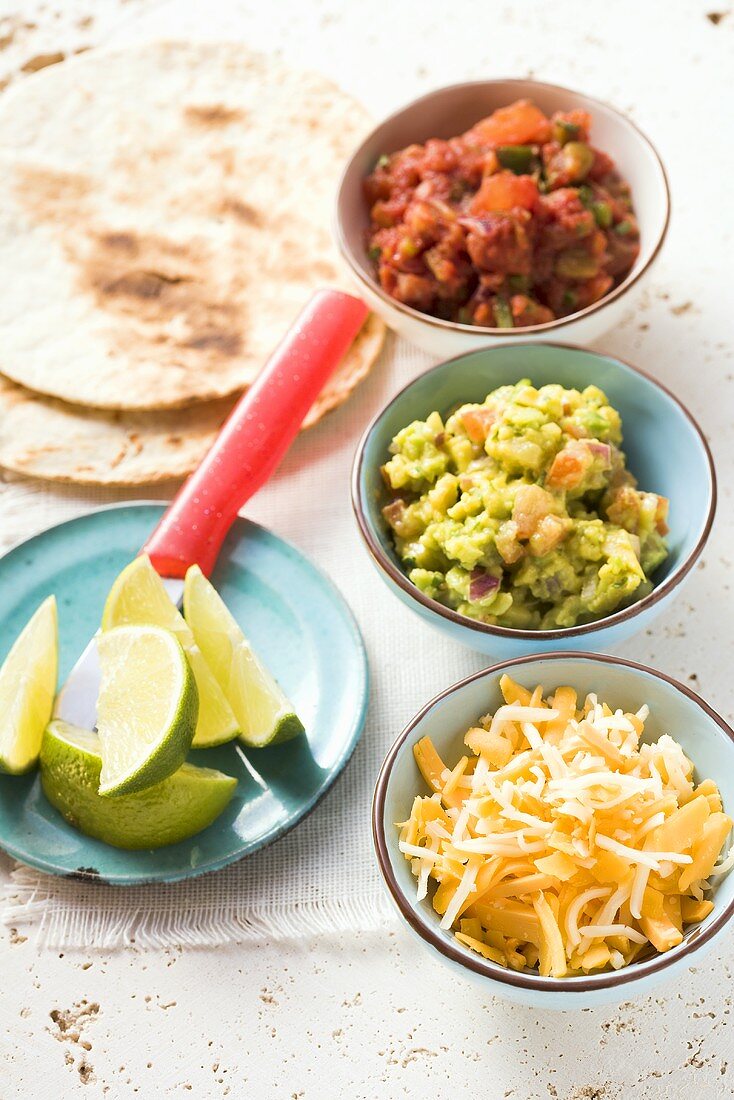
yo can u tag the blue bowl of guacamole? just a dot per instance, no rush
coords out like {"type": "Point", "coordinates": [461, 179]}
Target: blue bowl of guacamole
{"type": "Point", "coordinates": [534, 497]}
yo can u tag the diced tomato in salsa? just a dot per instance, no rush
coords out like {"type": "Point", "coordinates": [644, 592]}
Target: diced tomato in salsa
{"type": "Point", "coordinates": [516, 222]}
{"type": "Point", "coordinates": [518, 124]}
{"type": "Point", "coordinates": [505, 191]}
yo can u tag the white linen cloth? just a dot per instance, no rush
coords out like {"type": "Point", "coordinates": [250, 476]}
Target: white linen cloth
{"type": "Point", "coordinates": [322, 875]}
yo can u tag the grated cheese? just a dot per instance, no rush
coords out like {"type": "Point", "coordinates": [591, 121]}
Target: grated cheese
{"type": "Point", "coordinates": [575, 909]}
{"type": "Point", "coordinates": [639, 885]}
{"type": "Point", "coordinates": [611, 907]}
{"type": "Point", "coordinates": [603, 930]}
{"type": "Point", "coordinates": [425, 867]}
{"type": "Point", "coordinates": [462, 893]}
{"type": "Point", "coordinates": [583, 847]}
{"type": "Point", "coordinates": [516, 713]}
{"type": "Point", "coordinates": [635, 855]}
{"type": "Point", "coordinates": [725, 866]}
{"type": "Point", "coordinates": [414, 851]}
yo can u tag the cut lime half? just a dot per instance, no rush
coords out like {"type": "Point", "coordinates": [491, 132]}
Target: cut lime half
{"type": "Point", "coordinates": [27, 689]}
{"type": "Point", "coordinates": [138, 598]}
{"type": "Point", "coordinates": [263, 712]}
{"type": "Point", "coordinates": [147, 707]}
{"type": "Point", "coordinates": [171, 811]}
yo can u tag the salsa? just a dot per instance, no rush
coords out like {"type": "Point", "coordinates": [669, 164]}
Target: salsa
{"type": "Point", "coordinates": [520, 511]}
{"type": "Point", "coordinates": [517, 222]}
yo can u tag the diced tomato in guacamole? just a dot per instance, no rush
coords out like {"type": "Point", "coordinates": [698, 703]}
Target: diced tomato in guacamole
{"type": "Point", "coordinates": [517, 222]}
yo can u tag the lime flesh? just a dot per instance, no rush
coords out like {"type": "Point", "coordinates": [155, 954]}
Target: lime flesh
{"type": "Point", "coordinates": [147, 707]}
{"type": "Point", "coordinates": [27, 688]}
{"type": "Point", "coordinates": [263, 711]}
{"type": "Point", "coordinates": [138, 598]}
{"type": "Point", "coordinates": [166, 813]}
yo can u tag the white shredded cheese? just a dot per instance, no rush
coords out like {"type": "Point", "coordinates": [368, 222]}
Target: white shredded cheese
{"type": "Point", "coordinates": [515, 713]}
{"type": "Point", "coordinates": [574, 911]}
{"type": "Point", "coordinates": [639, 883]}
{"type": "Point", "coordinates": [463, 890]}
{"type": "Point", "coordinates": [603, 930]}
{"type": "Point", "coordinates": [417, 852]}
{"type": "Point", "coordinates": [725, 865]}
{"type": "Point", "coordinates": [611, 907]}
{"type": "Point", "coordinates": [425, 867]}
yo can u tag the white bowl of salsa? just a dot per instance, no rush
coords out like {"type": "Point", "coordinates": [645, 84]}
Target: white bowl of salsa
{"type": "Point", "coordinates": [468, 313]}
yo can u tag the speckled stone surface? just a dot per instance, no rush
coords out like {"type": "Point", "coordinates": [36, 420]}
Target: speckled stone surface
{"type": "Point", "coordinates": [370, 1016]}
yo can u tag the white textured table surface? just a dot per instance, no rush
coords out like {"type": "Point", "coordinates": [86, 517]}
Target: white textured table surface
{"type": "Point", "coordinates": [371, 1016]}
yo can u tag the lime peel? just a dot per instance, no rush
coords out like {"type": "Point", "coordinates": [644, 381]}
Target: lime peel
{"type": "Point", "coordinates": [171, 811]}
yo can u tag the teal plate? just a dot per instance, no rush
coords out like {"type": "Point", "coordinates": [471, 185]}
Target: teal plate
{"type": "Point", "coordinates": [296, 620]}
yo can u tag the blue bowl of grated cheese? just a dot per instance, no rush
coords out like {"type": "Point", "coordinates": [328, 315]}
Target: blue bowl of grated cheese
{"type": "Point", "coordinates": [555, 827]}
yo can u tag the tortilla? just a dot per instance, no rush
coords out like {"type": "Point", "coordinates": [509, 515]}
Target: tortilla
{"type": "Point", "coordinates": [164, 216]}
{"type": "Point", "coordinates": [42, 437]}
{"type": "Point", "coordinates": [45, 438]}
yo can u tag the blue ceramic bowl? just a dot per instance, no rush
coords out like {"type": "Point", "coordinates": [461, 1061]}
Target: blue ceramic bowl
{"type": "Point", "coordinates": [674, 709]}
{"type": "Point", "coordinates": [666, 451]}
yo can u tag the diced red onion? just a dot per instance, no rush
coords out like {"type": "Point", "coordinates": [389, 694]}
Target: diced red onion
{"type": "Point", "coordinates": [473, 225]}
{"type": "Point", "coordinates": [553, 585]}
{"type": "Point", "coordinates": [481, 584]}
{"type": "Point", "coordinates": [601, 450]}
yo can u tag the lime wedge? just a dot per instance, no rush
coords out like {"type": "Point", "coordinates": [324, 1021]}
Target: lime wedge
{"type": "Point", "coordinates": [139, 598]}
{"type": "Point", "coordinates": [27, 689]}
{"type": "Point", "coordinates": [166, 813]}
{"type": "Point", "coordinates": [147, 707]}
{"type": "Point", "coordinates": [264, 714]}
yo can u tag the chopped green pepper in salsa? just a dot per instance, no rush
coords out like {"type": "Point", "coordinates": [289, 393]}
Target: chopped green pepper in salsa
{"type": "Point", "coordinates": [520, 511]}
{"type": "Point", "coordinates": [516, 222]}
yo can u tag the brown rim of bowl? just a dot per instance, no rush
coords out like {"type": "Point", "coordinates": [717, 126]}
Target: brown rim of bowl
{"type": "Point", "coordinates": [455, 326]}
{"type": "Point", "coordinates": [399, 578]}
{"type": "Point", "coordinates": [474, 962]}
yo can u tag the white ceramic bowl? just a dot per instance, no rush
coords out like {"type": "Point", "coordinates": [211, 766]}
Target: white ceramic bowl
{"type": "Point", "coordinates": [450, 111]}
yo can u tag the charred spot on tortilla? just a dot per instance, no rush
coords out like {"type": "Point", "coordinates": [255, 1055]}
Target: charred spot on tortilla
{"type": "Point", "coordinates": [157, 249]}
{"type": "Point", "coordinates": [50, 194]}
{"type": "Point", "coordinates": [120, 242]}
{"type": "Point", "coordinates": [242, 211]}
{"type": "Point", "coordinates": [213, 115]}
{"type": "Point", "coordinates": [228, 343]}
{"type": "Point", "coordinates": [141, 284]}
{"type": "Point", "coordinates": [42, 61]}
{"type": "Point", "coordinates": [166, 288]}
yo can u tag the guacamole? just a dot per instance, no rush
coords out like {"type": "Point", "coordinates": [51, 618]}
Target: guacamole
{"type": "Point", "coordinates": [520, 511]}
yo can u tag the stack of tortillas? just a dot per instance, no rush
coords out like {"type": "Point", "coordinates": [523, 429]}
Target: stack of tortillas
{"type": "Point", "coordinates": [164, 216]}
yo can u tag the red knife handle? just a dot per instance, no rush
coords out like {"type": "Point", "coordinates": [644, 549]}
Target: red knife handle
{"type": "Point", "coordinates": [256, 436]}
